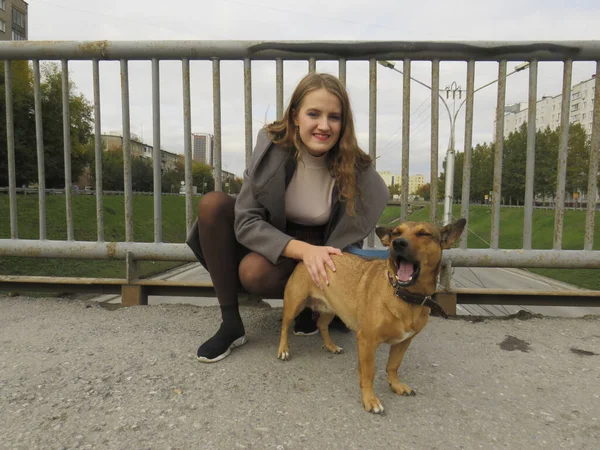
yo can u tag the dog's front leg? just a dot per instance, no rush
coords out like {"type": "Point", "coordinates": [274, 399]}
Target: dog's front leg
{"type": "Point", "coordinates": [397, 352]}
{"type": "Point", "coordinates": [367, 346]}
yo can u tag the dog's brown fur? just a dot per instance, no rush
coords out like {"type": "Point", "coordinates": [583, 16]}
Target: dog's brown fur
{"type": "Point", "coordinates": [361, 294]}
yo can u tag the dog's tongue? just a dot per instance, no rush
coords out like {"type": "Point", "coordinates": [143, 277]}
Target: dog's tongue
{"type": "Point", "coordinates": [405, 271]}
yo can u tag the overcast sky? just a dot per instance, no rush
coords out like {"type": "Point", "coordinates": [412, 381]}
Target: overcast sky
{"type": "Point", "coordinates": [530, 20]}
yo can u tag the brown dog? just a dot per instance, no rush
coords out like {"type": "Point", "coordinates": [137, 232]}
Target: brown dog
{"type": "Point", "coordinates": [382, 300]}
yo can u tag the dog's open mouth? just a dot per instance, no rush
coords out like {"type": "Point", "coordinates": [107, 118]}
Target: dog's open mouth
{"type": "Point", "coordinates": [407, 272]}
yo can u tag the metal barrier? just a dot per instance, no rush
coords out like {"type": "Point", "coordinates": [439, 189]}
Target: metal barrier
{"type": "Point", "coordinates": [135, 290]}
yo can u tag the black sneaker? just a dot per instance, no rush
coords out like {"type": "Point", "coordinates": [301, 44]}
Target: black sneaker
{"type": "Point", "coordinates": [306, 324]}
{"type": "Point", "coordinates": [220, 345]}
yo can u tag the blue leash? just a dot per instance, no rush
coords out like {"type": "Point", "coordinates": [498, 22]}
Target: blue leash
{"type": "Point", "coordinates": [371, 253]}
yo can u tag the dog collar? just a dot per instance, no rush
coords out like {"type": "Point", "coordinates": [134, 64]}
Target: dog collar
{"type": "Point", "coordinates": [416, 299]}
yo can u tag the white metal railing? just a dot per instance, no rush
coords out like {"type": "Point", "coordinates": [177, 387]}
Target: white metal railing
{"type": "Point", "coordinates": [342, 52]}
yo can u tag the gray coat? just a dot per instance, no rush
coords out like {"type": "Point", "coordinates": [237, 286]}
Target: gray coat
{"type": "Point", "coordinates": [260, 220]}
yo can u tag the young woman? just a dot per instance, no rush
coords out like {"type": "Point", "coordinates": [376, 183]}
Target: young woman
{"type": "Point", "coordinates": [309, 191]}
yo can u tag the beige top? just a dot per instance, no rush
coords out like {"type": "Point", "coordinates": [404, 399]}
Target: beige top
{"type": "Point", "coordinates": [308, 196]}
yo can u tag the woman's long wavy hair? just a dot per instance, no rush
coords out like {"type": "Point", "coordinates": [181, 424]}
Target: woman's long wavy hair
{"type": "Point", "coordinates": [346, 159]}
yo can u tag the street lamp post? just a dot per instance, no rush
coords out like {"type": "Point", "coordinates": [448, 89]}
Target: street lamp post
{"type": "Point", "coordinates": [453, 89]}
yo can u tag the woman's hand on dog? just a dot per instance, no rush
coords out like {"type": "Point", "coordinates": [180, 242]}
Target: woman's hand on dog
{"type": "Point", "coordinates": [315, 258]}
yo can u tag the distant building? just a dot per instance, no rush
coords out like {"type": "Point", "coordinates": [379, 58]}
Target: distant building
{"type": "Point", "coordinates": [390, 179]}
{"type": "Point", "coordinates": [114, 142]}
{"type": "Point", "coordinates": [202, 148]}
{"type": "Point", "coordinates": [415, 182]}
{"type": "Point", "coordinates": [13, 20]}
{"type": "Point", "coordinates": [548, 110]}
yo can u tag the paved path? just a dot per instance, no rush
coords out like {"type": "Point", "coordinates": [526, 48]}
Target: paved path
{"type": "Point", "coordinates": [76, 375]}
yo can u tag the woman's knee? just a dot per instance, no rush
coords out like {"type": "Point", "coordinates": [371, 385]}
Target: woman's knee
{"type": "Point", "coordinates": [261, 277]}
{"type": "Point", "coordinates": [253, 271]}
{"type": "Point", "coordinates": [214, 206]}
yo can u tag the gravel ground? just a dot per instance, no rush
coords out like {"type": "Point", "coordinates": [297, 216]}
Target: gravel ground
{"type": "Point", "coordinates": [76, 375]}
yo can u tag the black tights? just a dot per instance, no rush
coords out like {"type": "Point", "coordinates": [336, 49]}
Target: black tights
{"type": "Point", "coordinates": [230, 264]}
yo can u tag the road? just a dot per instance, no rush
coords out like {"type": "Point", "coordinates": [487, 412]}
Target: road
{"type": "Point", "coordinates": [75, 375]}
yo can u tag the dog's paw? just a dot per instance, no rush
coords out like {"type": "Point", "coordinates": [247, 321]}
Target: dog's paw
{"type": "Point", "coordinates": [373, 405]}
{"type": "Point", "coordinates": [283, 355]}
{"type": "Point", "coordinates": [333, 349]}
{"type": "Point", "coordinates": [402, 389]}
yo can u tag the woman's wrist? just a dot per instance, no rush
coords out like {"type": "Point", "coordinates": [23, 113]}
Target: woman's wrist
{"type": "Point", "coordinates": [295, 249]}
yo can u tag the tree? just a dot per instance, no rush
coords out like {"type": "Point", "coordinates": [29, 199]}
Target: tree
{"type": "Point", "coordinates": [514, 165]}
{"type": "Point", "coordinates": [578, 159]}
{"type": "Point", "coordinates": [81, 125]}
{"type": "Point", "coordinates": [202, 176]}
{"type": "Point", "coordinates": [514, 159]}
{"type": "Point", "coordinates": [24, 124]}
{"type": "Point", "coordinates": [112, 170]}
{"type": "Point", "coordinates": [24, 127]}
{"type": "Point", "coordinates": [459, 162]}
{"type": "Point", "coordinates": [425, 192]}
{"type": "Point", "coordinates": [142, 174]}
{"type": "Point", "coordinates": [482, 160]}
{"type": "Point", "coordinates": [236, 185]}
{"type": "Point", "coordinates": [546, 157]}
{"type": "Point", "coordinates": [394, 189]}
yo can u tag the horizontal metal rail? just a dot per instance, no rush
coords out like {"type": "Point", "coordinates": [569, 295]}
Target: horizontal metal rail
{"type": "Point", "coordinates": [530, 298]}
{"type": "Point", "coordinates": [113, 286]}
{"type": "Point", "coordinates": [150, 251]}
{"type": "Point", "coordinates": [301, 50]}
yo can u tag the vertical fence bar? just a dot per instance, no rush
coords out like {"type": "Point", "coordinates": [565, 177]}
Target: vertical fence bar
{"type": "Point", "coordinates": [372, 125]}
{"type": "Point", "coordinates": [248, 108]}
{"type": "Point", "coordinates": [497, 189]}
{"type": "Point", "coordinates": [98, 150]}
{"type": "Point", "coordinates": [127, 182]}
{"type": "Point", "coordinates": [312, 65]}
{"type": "Point", "coordinates": [10, 144]}
{"type": "Point", "coordinates": [217, 123]}
{"type": "Point", "coordinates": [279, 87]}
{"type": "Point", "coordinates": [530, 165]}
{"type": "Point", "coordinates": [468, 150]}
{"type": "Point", "coordinates": [67, 148]}
{"type": "Point", "coordinates": [561, 176]}
{"type": "Point", "coordinates": [187, 144]}
{"type": "Point", "coordinates": [592, 190]}
{"type": "Point", "coordinates": [39, 138]}
{"type": "Point", "coordinates": [342, 71]}
{"type": "Point", "coordinates": [156, 150]}
{"type": "Point", "coordinates": [405, 138]}
{"type": "Point", "coordinates": [435, 129]}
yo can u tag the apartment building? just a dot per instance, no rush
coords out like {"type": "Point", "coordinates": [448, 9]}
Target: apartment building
{"type": "Point", "coordinates": [548, 110]}
{"type": "Point", "coordinates": [415, 182]}
{"type": "Point", "coordinates": [115, 142]}
{"type": "Point", "coordinates": [391, 179]}
{"type": "Point", "coordinates": [13, 20]}
{"type": "Point", "coordinates": [202, 148]}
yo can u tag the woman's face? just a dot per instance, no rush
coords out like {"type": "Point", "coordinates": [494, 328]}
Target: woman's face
{"type": "Point", "coordinates": [319, 120]}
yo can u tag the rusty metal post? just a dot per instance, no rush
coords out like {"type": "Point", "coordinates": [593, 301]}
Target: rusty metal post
{"type": "Point", "coordinates": [133, 295]}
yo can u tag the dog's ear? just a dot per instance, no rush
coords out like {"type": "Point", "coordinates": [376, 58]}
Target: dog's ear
{"type": "Point", "coordinates": [384, 234]}
{"type": "Point", "coordinates": [451, 232]}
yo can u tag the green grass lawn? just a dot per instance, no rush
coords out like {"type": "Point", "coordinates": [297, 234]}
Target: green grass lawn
{"type": "Point", "coordinates": [173, 209]}
{"type": "Point", "coordinates": [511, 235]}
{"type": "Point", "coordinates": [85, 229]}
